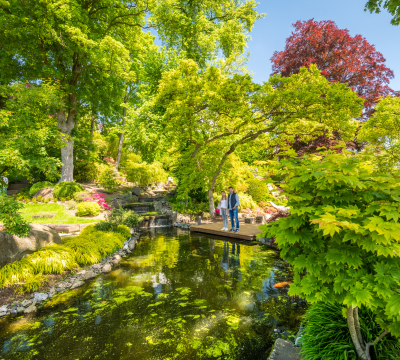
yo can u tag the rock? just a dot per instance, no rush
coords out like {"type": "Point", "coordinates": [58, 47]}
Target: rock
{"type": "Point", "coordinates": [26, 303]}
{"type": "Point", "coordinates": [77, 284]}
{"type": "Point", "coordinates": [82, 272]}
{"type": "Point", "coordinates": [115, 262]}
{"type": "Point", "coordinates": [89, 275]}
{"type": "Point", "coordinates": [250, 220]}
{"type": "Point", "coordinates": [279, 207]}
{"type": "Point", "coordinates": [30, 309]}
{"type": "Point", "coordinates": [3, 308]}
{"type": "Point", "coordinates": [14, 248]}
{"type": "Point", "coordinates": [106, 268]}
{"type": "Point", "coordinates": [136, 191]}
{"type": "Point", "coordinates": [45, 193]}
{"type": "Point", "coordinates": [40, 297]}
{"type": "Point", "coordinates": [52, 292]}
{"type": "Point", "coordinates": [117, 257]}
{"type": "Point", "coordinates": [96, 267]}
{"type": "Point", "coordinates": [20, 309]}
{"type": "Point", "coordinates": [3, 314]}
{"type": "Point", "coordinates": [132, 245]}
{"type": "Point", "coordinates": [284, 350]}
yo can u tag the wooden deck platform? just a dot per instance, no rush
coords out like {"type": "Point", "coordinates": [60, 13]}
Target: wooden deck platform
{"type": "Point", "coordinates": [246, 231]}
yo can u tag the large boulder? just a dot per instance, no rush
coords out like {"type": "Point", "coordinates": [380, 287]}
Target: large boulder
{"type": "Point", "coordinates": [14, 248]}
{"type": "Point", "coordinates": [47, 192]}
{"type": "Point", "coordinates": [136, 191]}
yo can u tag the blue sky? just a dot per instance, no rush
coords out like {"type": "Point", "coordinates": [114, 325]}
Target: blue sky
{"type": "Point", "coordinates": [269, 34]}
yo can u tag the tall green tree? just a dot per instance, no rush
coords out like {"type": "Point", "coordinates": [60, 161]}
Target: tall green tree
{"type": "Point", "coordinates": [382, 133]}
{"type": "Point", "coordinates": [392, 6]}
{"type": "Point", "coordinates": [201, 28]}
{"type": "Point", "coordinates": [211, 114]}
{"type": "Point", "coordinates": [28, 130]}
{"type": "Point", "coordinates": [77, 42]}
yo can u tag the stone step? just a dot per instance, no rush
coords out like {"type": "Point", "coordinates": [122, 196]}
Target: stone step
{"type": "Point", "coordinates": [12, 192]}
{"type": "Point", "coordinates": [17, 186]}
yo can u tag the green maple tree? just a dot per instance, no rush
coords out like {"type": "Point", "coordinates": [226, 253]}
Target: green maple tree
{"type": "Point", "coordinates": [342, 237]}
{"type": "Point", "coordinates": [210, 114]}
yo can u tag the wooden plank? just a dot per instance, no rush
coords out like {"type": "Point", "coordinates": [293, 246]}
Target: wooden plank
{"type": "Point", "coordinates": [246, 231]}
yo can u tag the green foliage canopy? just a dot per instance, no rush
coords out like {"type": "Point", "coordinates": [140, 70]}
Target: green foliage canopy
{"type": "Point", "coordinates": [393, 6]}
{"type": "Point", "coordinates": [343, 236]}
{"type": "Point", "coordinates": [210, 114]}
{"type": "Point", "coordinates": [28, 130]}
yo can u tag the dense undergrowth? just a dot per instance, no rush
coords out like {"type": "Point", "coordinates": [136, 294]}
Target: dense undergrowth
{"type": "Point", "coordinates": [90, 247]}
{"type": "Point", "coordinates": [326, 335]}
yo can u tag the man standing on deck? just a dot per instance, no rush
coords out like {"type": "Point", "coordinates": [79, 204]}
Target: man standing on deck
{"type": "Point", "coordinates": [233, 206]}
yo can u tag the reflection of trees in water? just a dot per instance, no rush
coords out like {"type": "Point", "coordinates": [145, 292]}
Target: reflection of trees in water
{"type": "Point", "coordinates": [219, 274]}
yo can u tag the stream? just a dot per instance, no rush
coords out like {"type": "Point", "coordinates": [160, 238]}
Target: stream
{"type": "Point", "coordinates": [179, 295]}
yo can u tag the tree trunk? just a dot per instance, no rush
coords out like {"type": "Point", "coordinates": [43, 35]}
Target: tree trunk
{"type": "Point", "coordinates": [121, 136]}
{"type": "Point", "coordinates": [211, 203]}
{"type": "Point", "coordinates": [66, 124]}
{"type": "Point", "coordinates": [67, 158]}
{"type": "Point", "coordinates": [92, 129]}
{"type": "Point", "coordinates": [351, 322]}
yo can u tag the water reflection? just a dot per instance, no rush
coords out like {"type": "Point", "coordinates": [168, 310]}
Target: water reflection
{"type": "Point", "coordinates": [178, 296]}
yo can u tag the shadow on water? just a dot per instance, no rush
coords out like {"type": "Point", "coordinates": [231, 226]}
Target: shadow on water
{"type": "Point", "coordinates": [178, 296]}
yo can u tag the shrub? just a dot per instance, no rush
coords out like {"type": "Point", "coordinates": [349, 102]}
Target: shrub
{"type": "Point", "coordinates": [66, 189]}
{"type": "Point", "coordinates": [10, 217]}
{"type": "Point", "coordinates": [123, 230]}
{"type": "Point", "coordinates": [81, 196]}
{"type": "Point", "coordinates": [46, 200]}
{"type": "Point", "coordinates": [85, 171]}
{"type": "Point", "coordinates": [71, 205]}
{"type": "Point", "coordinates": [107, 179]}
{"type": "Point", "coordinates": [258, 190]}
{"type": "Point", "coordinates": [143, 173]}
{"type": "Point", "coordinates": [88, 209]}
{"type": "Point", "coordinates": [342, 236]}
{"type": "Point", "coordinates": [103, 226]}
{"type": "Point", "coordinates": [39, 186]}
{"type": "Point", "coordinates": [124, 217]}
{"type": "Point", "coordinates": [326, 334]}
{"type": "Point", "coordinates": [21, 195]}
{"type": "Point", "coordinates": [34, 200]}
{"type": "Point", "coordinates": [39, 198]}
{"type": "Point", "coordinates": [246, 202]}
{"type": "Point", "coordinates": [55, 199]}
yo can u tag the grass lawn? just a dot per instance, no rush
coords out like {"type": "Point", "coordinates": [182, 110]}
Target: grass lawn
{"type": "Point", "coordinates": [62, 216]}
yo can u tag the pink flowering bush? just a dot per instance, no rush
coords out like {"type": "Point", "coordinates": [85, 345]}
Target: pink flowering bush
{"type": "Point", "coordinates": [109, 160]}
{"type": "Point", "coordinates": [217, 212]}
{"type": "Point", "coordinates": [99, 199]}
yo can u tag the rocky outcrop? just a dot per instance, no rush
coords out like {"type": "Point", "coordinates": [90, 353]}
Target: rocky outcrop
{"type": "Point", "coordinates": [14, 248]}
{"type": "Point", "coordinates": [45, 193]}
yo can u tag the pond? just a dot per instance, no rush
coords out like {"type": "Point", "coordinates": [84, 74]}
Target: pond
{"type": "Point", "coordinates": [178, 296]}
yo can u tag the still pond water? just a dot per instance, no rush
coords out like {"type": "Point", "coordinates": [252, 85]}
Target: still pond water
{"type": "Point", "coordinates": [178, 296]}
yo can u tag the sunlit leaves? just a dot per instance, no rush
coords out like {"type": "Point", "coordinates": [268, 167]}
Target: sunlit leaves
{"type": "Point", "coordinates": [349, 234]}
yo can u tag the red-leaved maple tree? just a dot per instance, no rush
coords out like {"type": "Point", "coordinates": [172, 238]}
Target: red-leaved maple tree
{"type": "Point", "coordinates": [340, 57]}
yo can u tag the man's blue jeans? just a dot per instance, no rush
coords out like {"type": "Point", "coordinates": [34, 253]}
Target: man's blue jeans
{"type": "Point", "coordinates": [234, 216]}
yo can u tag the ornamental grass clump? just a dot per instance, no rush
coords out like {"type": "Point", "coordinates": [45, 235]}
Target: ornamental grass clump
{"type": "Point", "coordinates": [89, 248]}
{"type": "Point", "coordinates": [326, 334]}
{"type": "Point", "coordinates": [342, 238]}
